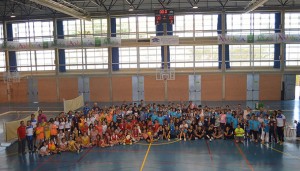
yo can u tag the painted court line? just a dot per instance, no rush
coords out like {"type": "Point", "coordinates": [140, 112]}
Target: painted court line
{"type": "Point", "coordinates": [157, 144]}
{"type": "Point", "coordinates": [274, 149]}
{"type": "Point", "coordinates": [145, 158]}
{"type": "Point", "coordinates": [244, 156]}
{"type": "Point", "coordinates": [84, 155]}
{"type": "Point", "coordinates": [210, 154]}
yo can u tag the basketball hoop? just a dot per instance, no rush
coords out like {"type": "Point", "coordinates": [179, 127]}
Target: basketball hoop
{"type": "Point", "coordinates": [165, 74]}
{"type": "Point", "coordinates": [165, 77]}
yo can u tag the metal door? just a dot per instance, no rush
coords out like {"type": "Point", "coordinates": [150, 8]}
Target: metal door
{"type": "Point", "coordinates": [137, 88]}
{"type": "Point", "coordinates": [195, 88]}
{"type": "Point", "coordinates": [84, 87]}
{"type": "Point", "coordinates": [289, 86]}
{"type": "Point", "coordinates": [33, 90]}
{"type": "Point", "coordinates": [253, 87]}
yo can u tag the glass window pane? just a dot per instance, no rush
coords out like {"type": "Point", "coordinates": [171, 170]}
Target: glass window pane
{"type": "Point", "coordinates": [206, 56]}
{"type": "Point", "coordinates": [150, 57]}
{"type": "Point", "coordinates": [128, 57]}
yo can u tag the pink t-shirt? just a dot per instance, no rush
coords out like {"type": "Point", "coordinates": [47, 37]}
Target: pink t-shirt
{"type": "Point", "coordinates": [223, 118]}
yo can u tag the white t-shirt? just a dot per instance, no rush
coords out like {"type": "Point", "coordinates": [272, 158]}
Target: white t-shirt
{"type": "Point", "coordinates": [280, 119]}
{"type": "Point", "coordinates": [44, 149]}
{"type": "Point", "coordinates": [61, 125]}
{"type": "Point", "coordinates": [29, 130]}
{"type": "Point", "coordinates": [68, 125]}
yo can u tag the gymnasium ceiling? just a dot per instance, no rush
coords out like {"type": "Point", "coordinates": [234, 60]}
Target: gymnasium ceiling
{"type": "Point", "coordinates": [26, 9]}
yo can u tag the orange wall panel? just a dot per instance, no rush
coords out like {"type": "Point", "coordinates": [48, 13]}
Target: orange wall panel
{"type": "Point", "coordinates": [47, 90]}
{"type": "Point", "coordinates": [154, 90]}
{"type": "Point", "coordinates": [235, 87]}
{"type": "Point", "coordinates": [68, 88]}
{"type": "Point", "coordinates": [211, 87]}
{"type": "Point", "coordinates": [99, 89]}
{"type": "Point", "coordinates": [122, 89]}
{"type": "Point", "coordinates": [178, 89]}
{"type": "Point", "coordinates": [3, 92]}
{"type": "Point", "coordinates": [270, 87]}
{"type": "Point", "coordinates": [19, 91]}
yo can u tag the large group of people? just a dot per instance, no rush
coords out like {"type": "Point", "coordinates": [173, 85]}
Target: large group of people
{"type": "Point", "coordinates": [127, 124]}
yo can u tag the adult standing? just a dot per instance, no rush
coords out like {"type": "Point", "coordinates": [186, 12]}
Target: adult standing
{"type": "Point", "coordinates": [21, 131]}
{"type": "Point", "coordinates": [280, 118]}
{"type": "Point", "coordinates": [41, 116]}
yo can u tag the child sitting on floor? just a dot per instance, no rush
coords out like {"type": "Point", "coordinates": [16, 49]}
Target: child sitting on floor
{"type": "Point", "coordinates": [44, 151]}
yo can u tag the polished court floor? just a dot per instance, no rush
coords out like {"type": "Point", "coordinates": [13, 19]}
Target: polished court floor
{"type": "Point", "coordinates": [167, 156]}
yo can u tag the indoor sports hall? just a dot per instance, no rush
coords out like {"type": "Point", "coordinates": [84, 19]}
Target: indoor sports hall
{"type": "Point", "coordinates": [149, 85]}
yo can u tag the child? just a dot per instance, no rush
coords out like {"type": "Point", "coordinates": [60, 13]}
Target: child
{"type": "Point", "coordinates": [127, 140]}
{"type": "Point", "coordinates": [199, 133]}
{"type": "Point", "coordinates": [63, 145]}
{"type": "Point", "coordinates": [183, 130]}
{"type": "Point", "coordinates": [228, 133]}
{"type": "Point", "coordinates": [167, 133]}
{"type": "Point", "coordinates": [86, 143]}
{"type": "Point", "coordinates": [265, 130]}
{"type": "Point", "coordinates": [44, 151]}
{"type": "Point", "coordinates": [217, 133]}
{"type": "Point", "coordinates": [29, 136]}
{"type": "Point", "coordinates": [40, 135]}
{"type": "Point", "coordinates": [190, 134]}
{"type": "Point", "coordinates": [114, 139]}
{"type": "Point", "coordinates": [255, 126]}
{"type": "Point", "coordinates": [73, 146]}
{"type": "Point", "coordinates": [239, 134]}
{"type": "Point", "coordinates": [101, 142]}
{"type": "Point", "coordinates": [209, 133]}
{"type": "Point", "coordinates": [52, 147]}
{"type": "Point", "coordinates": [160, 132]}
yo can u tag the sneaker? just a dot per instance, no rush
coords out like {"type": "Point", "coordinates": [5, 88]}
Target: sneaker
{"type": "Point", "coordinates": [48, 154]}
{"type": "Point", "coordinates": [180, 139]}
{"type": "Point", "coordinates": [169, 139]}
{"type": "Point", "coordinates": [185, 139]}
{"type": "Point", "coordinates": [210, 140]}
{"type": "Point", "coordinates": [196, 138]}
{"type": "Point", "coordinates": [77, 151]}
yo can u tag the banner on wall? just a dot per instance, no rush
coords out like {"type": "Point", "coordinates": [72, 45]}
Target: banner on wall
{"type": "Point", "coordinates": [15, 45]}
{"type": "Point", "coordinates": [89, 42]}
{"type": "Point", "coordinates": [164, 40]}
{"type": "Point", "coordinates": [259, 39]}
{"type": "Point", "coordinates": [244, 39]}
{"type": "Point", "coordinates": [73, 104]}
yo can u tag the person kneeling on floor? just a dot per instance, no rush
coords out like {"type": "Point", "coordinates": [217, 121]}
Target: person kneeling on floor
{"type": "Point", "coordinates": [239, 134]}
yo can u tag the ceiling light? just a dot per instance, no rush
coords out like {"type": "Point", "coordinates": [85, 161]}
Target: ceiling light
{"type": "Point", "coordinates": [131, 8]}
{"type": "Point", "coordinates": [254, 5]}
{"type": "Point", "coordinates": [12, 15]}
{"type": "Point", "coordinates": [64, 7]}
{"type": "Point", "coordinates": [195, 7]}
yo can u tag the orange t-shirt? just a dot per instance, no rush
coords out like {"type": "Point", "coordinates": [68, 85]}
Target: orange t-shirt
{"type": "Point", "coordinates": [53, 130]}
{"type": "Point", "coordinates": [40, 135]}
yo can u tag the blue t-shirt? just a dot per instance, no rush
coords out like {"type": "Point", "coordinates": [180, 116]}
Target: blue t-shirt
{"type": "Point", "coordinates": [255, 125]}
{"type": "Point", "coordinates": [250, 122]}
{"type": "Point", "coordinates": [154, 117]}
{"type": "Point", "coordinates": [178, 114]}
{"type": "Point", "coordinates": [228, 118]}
{"type": "Point", "coordinates": [86, 110]}
{"type": "Point", "coordinates": [160, 120]}
{"type": "Point", "coordinates": [115, 118]}
{"type": "Point", "coordinates": [234, 122]}
{"type": "Point", "coordinates": [172, 126]}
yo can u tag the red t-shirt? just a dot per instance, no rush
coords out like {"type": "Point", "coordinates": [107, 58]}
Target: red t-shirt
{"type": "Point", "coordinates": [22, 132]}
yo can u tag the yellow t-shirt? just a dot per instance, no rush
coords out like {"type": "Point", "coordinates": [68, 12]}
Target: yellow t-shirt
{"type": "Point", "coordinates": [239, 132]}
{"type": "Point", "coordinates": [85, 140]}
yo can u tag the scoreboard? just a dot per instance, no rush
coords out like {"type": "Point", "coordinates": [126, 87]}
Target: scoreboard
{"type": "Point", "coordinates": [164, 16]}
